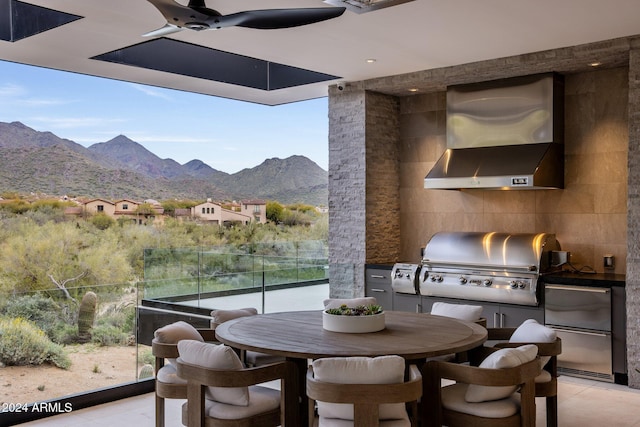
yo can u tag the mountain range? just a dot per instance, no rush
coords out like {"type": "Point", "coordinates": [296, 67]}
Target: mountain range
{"type": "Point", "coordinates": [33, 161]}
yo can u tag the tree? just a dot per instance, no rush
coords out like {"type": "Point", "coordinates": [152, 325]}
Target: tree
{"type": "Point", "coordinates": [102, 221]}
{"type": "Point", "coordinates": [145, 209]}
{"type": "Point", "coordinates": [36, 257]}
{"type": "Point", "coordinates": [274, 211]}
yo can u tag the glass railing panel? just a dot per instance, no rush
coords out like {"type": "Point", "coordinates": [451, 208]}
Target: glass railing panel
{"type": "Point", "coordinates": [66, 346]}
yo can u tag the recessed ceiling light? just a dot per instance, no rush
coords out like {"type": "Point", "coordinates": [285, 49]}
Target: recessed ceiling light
{"type": "Point", "coordinates": [413, 89]}
{"type": "Point", "coordinates": [370, 60]}
{"type": "Point", "coordinates": [595, 64]}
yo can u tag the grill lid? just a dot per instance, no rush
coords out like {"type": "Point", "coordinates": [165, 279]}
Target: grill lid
{"type": "Point", "coordinates": [491, 251]}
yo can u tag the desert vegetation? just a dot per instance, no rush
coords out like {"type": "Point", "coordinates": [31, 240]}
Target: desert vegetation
{"type": "Point", "coordinates": [66, 282]}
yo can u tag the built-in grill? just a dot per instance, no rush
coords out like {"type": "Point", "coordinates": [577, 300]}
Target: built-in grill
{"type": "Point", "coordinates": [494, 267]}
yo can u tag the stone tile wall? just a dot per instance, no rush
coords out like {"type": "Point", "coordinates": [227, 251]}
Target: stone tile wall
{"type": "Point", "coordinates": [383, 178]}
{"type": "Point", "coordinates": [347, 191]}
{"type": "Point", "coordinates": [588, 216]}
{"type": "Point", "coordinates": [633, 220]}
{"type": "Point", "coordinates": [363, 186]}
{"type": "Point", "coordinates": [598, 212]}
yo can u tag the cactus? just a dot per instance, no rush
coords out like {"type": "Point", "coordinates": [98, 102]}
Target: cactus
{"type": "Point", "coordinates": [86, 316]}
{"type": "Point", "coordinates": [146, 372]}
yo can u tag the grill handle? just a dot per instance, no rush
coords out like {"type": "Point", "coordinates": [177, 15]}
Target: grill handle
{"type": "Point", "coordinates": [578, 289]}
{"type": "Point", "coordinates": [481, 267]}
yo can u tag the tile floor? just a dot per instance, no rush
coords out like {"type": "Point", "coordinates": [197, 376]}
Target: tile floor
{"type": "Point", "coordinates": [581, 403]}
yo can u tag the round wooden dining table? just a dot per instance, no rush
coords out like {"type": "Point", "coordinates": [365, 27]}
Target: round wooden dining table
{"type": "Point", "coordinates": [299, 336]}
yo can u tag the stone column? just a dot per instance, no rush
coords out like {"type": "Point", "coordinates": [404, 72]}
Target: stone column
{"type": "Point", "coordinates": [633, 220]}
{"type": "Point", "coordinates": [347, 193]}
{"type": "Point", "coordinates": [363, 186]}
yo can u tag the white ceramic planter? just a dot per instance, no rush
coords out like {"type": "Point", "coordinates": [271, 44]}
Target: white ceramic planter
{"type": "Point", "coordinates": [352, 324]}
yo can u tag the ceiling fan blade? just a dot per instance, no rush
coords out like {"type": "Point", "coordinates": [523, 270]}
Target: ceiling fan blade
{"type": "Point", "coordinates": [271, 19]}
{"type": "Point", "coordinates": [167, 29]}
{"type": "Point", "coordinates": [169, 8]}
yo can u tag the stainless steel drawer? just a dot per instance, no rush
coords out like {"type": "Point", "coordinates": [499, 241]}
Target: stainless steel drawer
{"type": "Point", "coordinates": [586, 353]}
{"type": "Point", "coordinates": [578, 307]}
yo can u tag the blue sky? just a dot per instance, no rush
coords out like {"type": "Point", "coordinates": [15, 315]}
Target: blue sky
{"type": "Point", "coordinates": [228, 135]}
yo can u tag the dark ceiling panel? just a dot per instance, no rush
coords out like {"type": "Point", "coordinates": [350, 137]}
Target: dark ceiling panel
{"type": "Point", "coordinates": [173, 56]}
{"type": "Point", "coordinates": [20, 20]}
{"type": "Point", "coordinates": [283, 76]}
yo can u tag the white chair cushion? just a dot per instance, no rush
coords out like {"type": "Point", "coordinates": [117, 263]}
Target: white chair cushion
{"type": "Point", "coordinates": [532, 331]}
{"type": "Point", "coordinates": [218, 317]}
{"type": "Point", "coordinates": [360, 370]}
{"type": "Point", "coordinates": [453, 398]}
{"type": "Point", "coordinates": [215, 356]}
{"type": "Point", "coordinates": [262, 399]}
{"type": "Point", "coordinates": [503, 358]}
{"type": "Point", "coordinates": [171, 334]}
{"type": "Point", "coordinates": [470, 313]}
{"type": "Point", "coordinates": [336, 422]}
{"type": "Point", "coordinates": [174, 332]}
{"type": "Point", "coordinates": [349, 302]}
{"type": "Point", "coordinates": [167, 374]}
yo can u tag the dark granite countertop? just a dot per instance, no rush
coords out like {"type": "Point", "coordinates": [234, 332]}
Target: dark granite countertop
{"type": "Point", "coordinates": [386, 266]}
{"type": "Point", "coordinates": [585, 279]}
{"type": "Point", "coordinates": [561, 277]}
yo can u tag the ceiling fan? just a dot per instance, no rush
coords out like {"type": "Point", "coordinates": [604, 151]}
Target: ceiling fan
{"type": "Point", "coordinates": [197, 16]}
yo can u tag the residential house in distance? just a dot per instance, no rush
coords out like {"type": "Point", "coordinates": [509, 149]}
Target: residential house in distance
{"type": "Point", "coordinates": [99, 206]}
{"type": "Point", "coordinates": [121, 209]}
{"type": "Point", "coordinates": [255, 208]}
{"type": "Point", "coordinates": [244, 212]}
{"type": "Point", "coordinates": [250, 211]}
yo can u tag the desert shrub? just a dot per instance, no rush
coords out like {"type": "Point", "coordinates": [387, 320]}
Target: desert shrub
{"type": "Point", "coordinates": [22, 343]}
{"type": "Point", "coordinates": [106, 335]}
{"type": "Point", "coordinates": [102, 221]}
{"type": "Point", "coordinates": [122, 316]}
{"type": "Point", "coordinates": [64, 333]}
{"type": "Point", "coordinates": [145, 356]}
{"type": "Point", "coordinates": [41, 310]}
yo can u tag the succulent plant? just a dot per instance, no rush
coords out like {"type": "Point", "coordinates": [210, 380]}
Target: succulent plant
{"type": "Point", "coordinates": [361, 310]}
{"type": "Point", "coordinates": [146, 372]}
{"type": "Point", "coordinates": [86, 316]}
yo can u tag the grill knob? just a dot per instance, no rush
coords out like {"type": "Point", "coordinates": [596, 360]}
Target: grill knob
{"type": "Point", "coordinates": [462, 280]}
{"type": "Point", "coordinates": [487, 282]}
{"type": "Point", "coordinates": [513, 284]}
{"type": "Point", "coordinates": [436, 278]}
{"type": "Point", "coordinates": [522, 285]}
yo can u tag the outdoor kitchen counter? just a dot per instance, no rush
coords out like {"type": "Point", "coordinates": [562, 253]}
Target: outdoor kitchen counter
{"type": "Point", "coordinates": [585, 279]}
{"type": "Point", "coordinates": [558, 302]}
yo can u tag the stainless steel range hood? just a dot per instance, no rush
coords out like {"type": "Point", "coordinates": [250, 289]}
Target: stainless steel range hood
{"type": "Point", "coordinates": [503, 134]}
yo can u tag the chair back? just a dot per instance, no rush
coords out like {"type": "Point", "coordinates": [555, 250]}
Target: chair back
{"type": "Point", "coordinates": [200, 378]}
{"type": "Point", "coordinates": [521, 377]}
{"type": "Point", "coordinates": [547, 386]}
{"type": "Point", "coordinates": [366, 399]}
{"type": "Point", "coordinates": [164, 347]}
